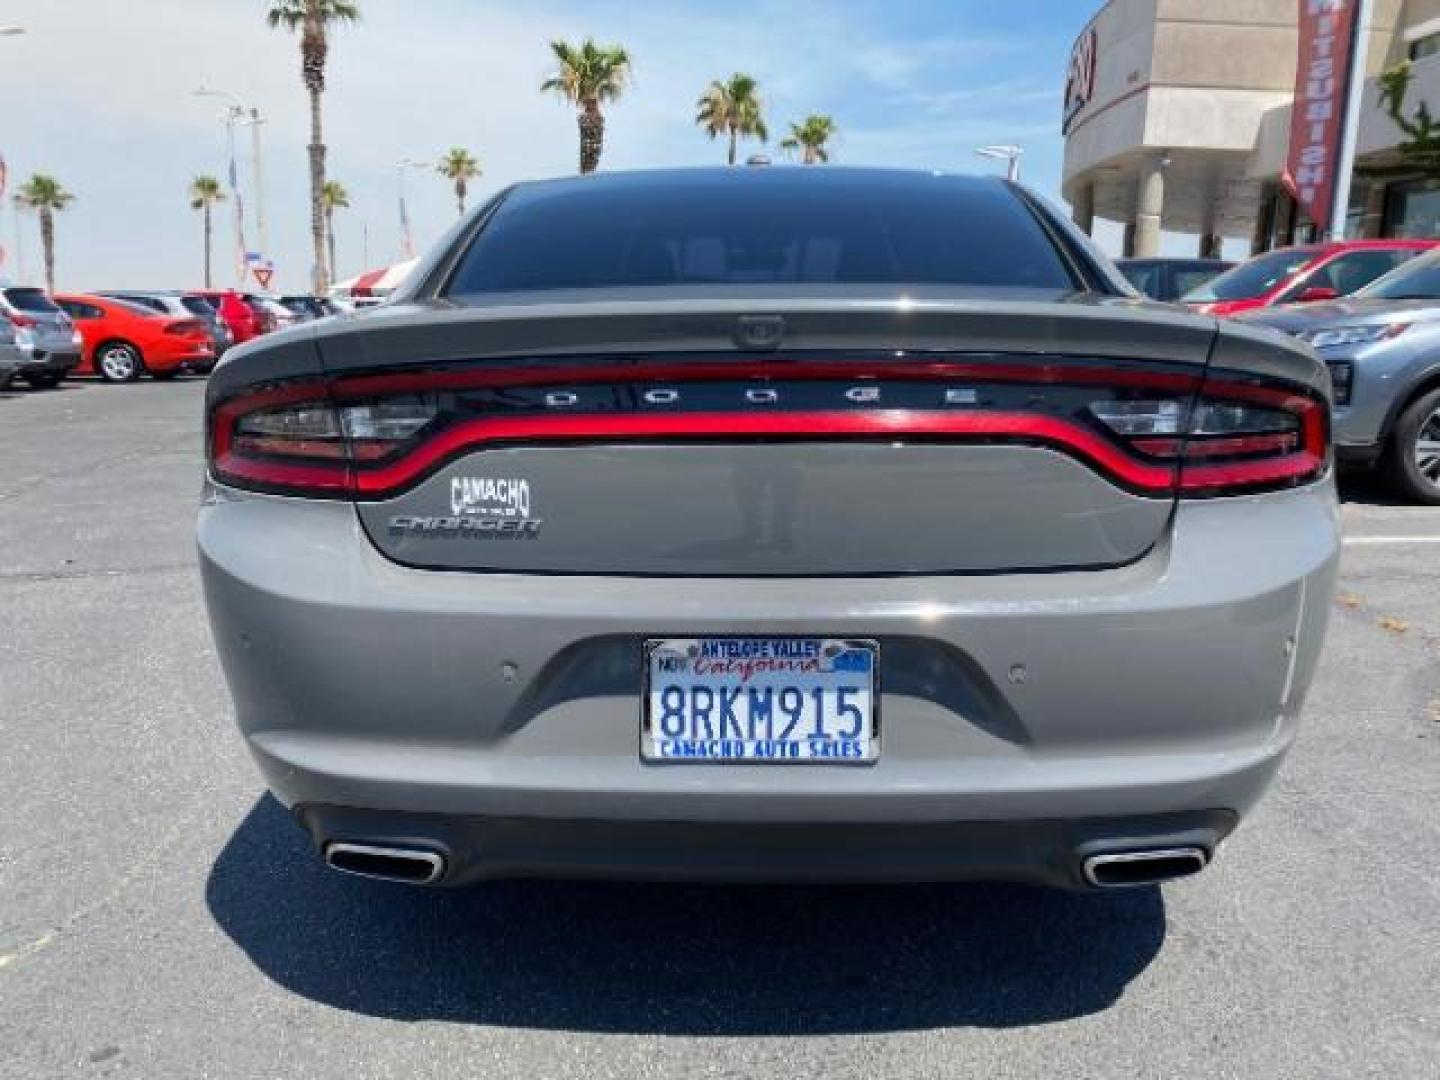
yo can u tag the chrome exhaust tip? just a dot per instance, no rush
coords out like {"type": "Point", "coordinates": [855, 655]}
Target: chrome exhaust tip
{"type": "Point", "coordinates": [412, 866]}
{"type": "Point", "coordinates": [1122, 869]}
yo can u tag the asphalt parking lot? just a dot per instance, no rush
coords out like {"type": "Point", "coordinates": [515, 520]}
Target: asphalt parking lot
{"type": "Point", "coordinates": [161, 917]}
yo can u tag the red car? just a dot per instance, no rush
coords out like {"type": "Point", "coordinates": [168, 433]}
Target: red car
{"type": "Point", "coordinates": [121, 340]}
{"type": "Point", "coordinates": [1297, 275]}
{"type": "Point", "coordinates": [245, 318]}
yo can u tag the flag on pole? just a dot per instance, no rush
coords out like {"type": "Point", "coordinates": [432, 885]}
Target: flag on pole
{"type": "Point", "coordinates": [1321, 85]}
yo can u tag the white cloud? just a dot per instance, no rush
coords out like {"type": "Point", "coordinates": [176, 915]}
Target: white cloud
{"type": "Point", "coordinates": [107, 89]}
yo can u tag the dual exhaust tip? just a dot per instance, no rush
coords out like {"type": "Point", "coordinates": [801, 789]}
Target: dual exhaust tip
{"type": "Point", "coordinates": [1108, 870]}
{"type": "Point", "coordinates": [1123, 869]}
{"type": "Point", "coordinates": [412, 866]}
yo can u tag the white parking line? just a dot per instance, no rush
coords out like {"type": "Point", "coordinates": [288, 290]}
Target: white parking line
{"type": "Point", "coordinates": [1392, 540]}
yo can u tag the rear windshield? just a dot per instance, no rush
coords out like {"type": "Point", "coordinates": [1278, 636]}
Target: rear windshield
{"type": "Point", "coordinates": [32, 300]}
{"type": "Point", "coordinates": [1254, 278]}
{"type": "Point", "coordinates": [747, 229]}
{"type": "Point", "coordinates": [198, 306]}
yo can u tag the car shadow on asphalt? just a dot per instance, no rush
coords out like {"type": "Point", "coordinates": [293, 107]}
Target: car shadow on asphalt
{"type": "Point", "coordinates": [688, 960]}
{"type": "Point", "coordinates": [1368, 488]}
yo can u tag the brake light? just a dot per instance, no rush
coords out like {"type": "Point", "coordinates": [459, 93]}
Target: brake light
{"type": "Point", "coordinates": [184, 328]}
{"type": "Point", "coordinates": [1240, 435]}
{"type": "Point", "coordinates": [22, 320]}
{"type": "Point", "coordinates": [1153, 429]}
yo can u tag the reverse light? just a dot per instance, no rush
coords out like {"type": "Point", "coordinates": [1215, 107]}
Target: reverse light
{"type": "Point", "coordinates": [1335, 336]}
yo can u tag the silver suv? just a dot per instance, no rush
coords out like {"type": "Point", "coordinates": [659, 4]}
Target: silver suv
{"type": "Point", "coordinates": [1382, 346]}
{"type": "Point", "coordinates": [49, 342]}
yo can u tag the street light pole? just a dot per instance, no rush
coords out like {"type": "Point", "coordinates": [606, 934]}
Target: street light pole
{"type": "Point", "coordinates": [236, 113]}
{"type": "Point", "coordinates": [255, 121]}
{"type": "Point", "coordinates": [1008, 154]}
{"type": "Point", "coordinates": [407, 237]}
{"type": "Point", "coordinates": [18, 207]}
{"type": "Point", "coordinates": [239, 210]}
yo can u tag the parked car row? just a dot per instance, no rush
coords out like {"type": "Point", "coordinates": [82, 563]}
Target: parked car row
{"type": "Point", "coordinates": [1371, 309]}
{"type": "Point", "coordinates": [121, 334]}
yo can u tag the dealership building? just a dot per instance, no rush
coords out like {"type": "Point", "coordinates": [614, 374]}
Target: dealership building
{"type": "Point", "coordinates": [1177, 119]}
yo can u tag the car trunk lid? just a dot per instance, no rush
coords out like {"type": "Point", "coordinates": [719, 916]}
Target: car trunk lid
{"type": "Point", "coordinates": [812, 437]}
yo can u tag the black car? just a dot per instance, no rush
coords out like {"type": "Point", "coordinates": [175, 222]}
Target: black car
{"type": "Point", "coordinates": [1170, 279]}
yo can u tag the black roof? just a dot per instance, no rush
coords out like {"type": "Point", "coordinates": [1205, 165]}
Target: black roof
{"type": "Point", "coordinates": [778, 178]}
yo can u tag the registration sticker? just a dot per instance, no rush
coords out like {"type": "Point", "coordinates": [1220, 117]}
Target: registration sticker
{"type": "Point", "coordinates": [770, 699]}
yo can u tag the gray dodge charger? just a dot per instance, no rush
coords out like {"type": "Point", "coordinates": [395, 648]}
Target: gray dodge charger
{"type": "Point", "coordinates": [769, 523]}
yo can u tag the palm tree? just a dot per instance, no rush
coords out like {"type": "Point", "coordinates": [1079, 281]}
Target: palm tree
{"type": "Point", "coordinates": [810, 136]}
{"type": "Point", "coordinates": [732, 106]}
{"type": "Point", "coordinates": [334, 197]}
{"type": "Point", "coordinates": [45, 196]}
{"type": "Point", "coordinates": [205, 192]}
{"type": "Point", "coordinates": [313, 19]}
{"type": "Point", "coordinates": [587, 76]}
{"type": "Point", "coordinates": [458, 166]}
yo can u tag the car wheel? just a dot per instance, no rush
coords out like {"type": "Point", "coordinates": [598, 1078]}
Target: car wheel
{"type": "Point", "coordinates": [118, 361]}
{"type": "Point", "coordinates": [1414, 458]}
{"type": "Point", "coordinates": [44, 380]}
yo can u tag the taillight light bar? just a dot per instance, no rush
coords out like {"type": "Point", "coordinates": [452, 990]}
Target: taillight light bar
{"type": "Point", "coordinates": [1154, 432]}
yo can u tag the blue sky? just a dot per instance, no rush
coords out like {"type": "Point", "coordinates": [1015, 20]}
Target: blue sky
{"type": "Point", "coordinates": [99, 96]}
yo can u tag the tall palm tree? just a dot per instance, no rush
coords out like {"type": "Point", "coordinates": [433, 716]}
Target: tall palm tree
{"type": "Point", "coordinates": [732, 107]}
{"type": "Point", "coordinates": [810, 136]}
{"type": "Point", "coordinates": [460, 168]}
{"type": "Point", "coordinates": [587, 76]}
{"type": "Point", "coordinates": [205, 192]}
{"type": "Point", "coordinates": [333, 196]}
{"type": "Point", "coordinates": [45, 196]}
{"type": "Point", "coordinates": [313, 18]}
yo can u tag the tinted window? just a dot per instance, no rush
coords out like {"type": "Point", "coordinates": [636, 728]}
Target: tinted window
{"type": "Point", "coordinates": [77, 310]}
{"type": "Point", "coordinates": [1418, 279]}
{"type": "Point", "coordinates": [1348, 273]}
{"type": "Point", "coordinates": [132, 307]}
{"type": "Point", "coordinates": [1188, 278]}
{"type": "Point", "coordinates": [32, 300]}
{"type": "Point", "coordinates": [198, 306]}
{"type": "Point", "coordinates": [1254, 278]}
{"type": "Point", "coordinates": [743, 227]}
{"type": "Point", "coordinates": [144, 301]}
{"type": "Point", "coordinates": [1147, 277]}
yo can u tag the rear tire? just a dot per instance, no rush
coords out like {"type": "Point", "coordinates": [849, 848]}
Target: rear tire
{"type": "Point", "coordinates": [44, 380]}
{"type": "Point", "coordinates": [1412, 464]}
{"type": "Point", "coordinates": [118, 361]}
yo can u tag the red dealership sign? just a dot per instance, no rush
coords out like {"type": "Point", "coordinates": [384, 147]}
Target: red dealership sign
{"type": "Point", "coordinates": [1321, 78]}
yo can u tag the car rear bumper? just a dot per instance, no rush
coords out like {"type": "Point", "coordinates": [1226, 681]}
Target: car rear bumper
{"type": "Point", "coordinates": [1041, 852]}
{"type": "Point", "coordinates": [179, 358]}
{"type": "Point", "coordinates": [46, 362]}
{"type": "Point", "coordinates": [1169, 686]}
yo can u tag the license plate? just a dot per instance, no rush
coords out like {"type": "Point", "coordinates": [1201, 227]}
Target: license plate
{"type": "Point", "coordinates": [809, 700]}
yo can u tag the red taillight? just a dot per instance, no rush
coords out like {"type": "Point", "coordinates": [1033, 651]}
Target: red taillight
{"type": "Point", "coordinates": [1240, 434]}
{"type": "Point", "coordinates": [184, 328]}
{"type": "Point", "coordinates": [20, 319]}
{"type": "Point", "coordinates": [1154, 432]}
